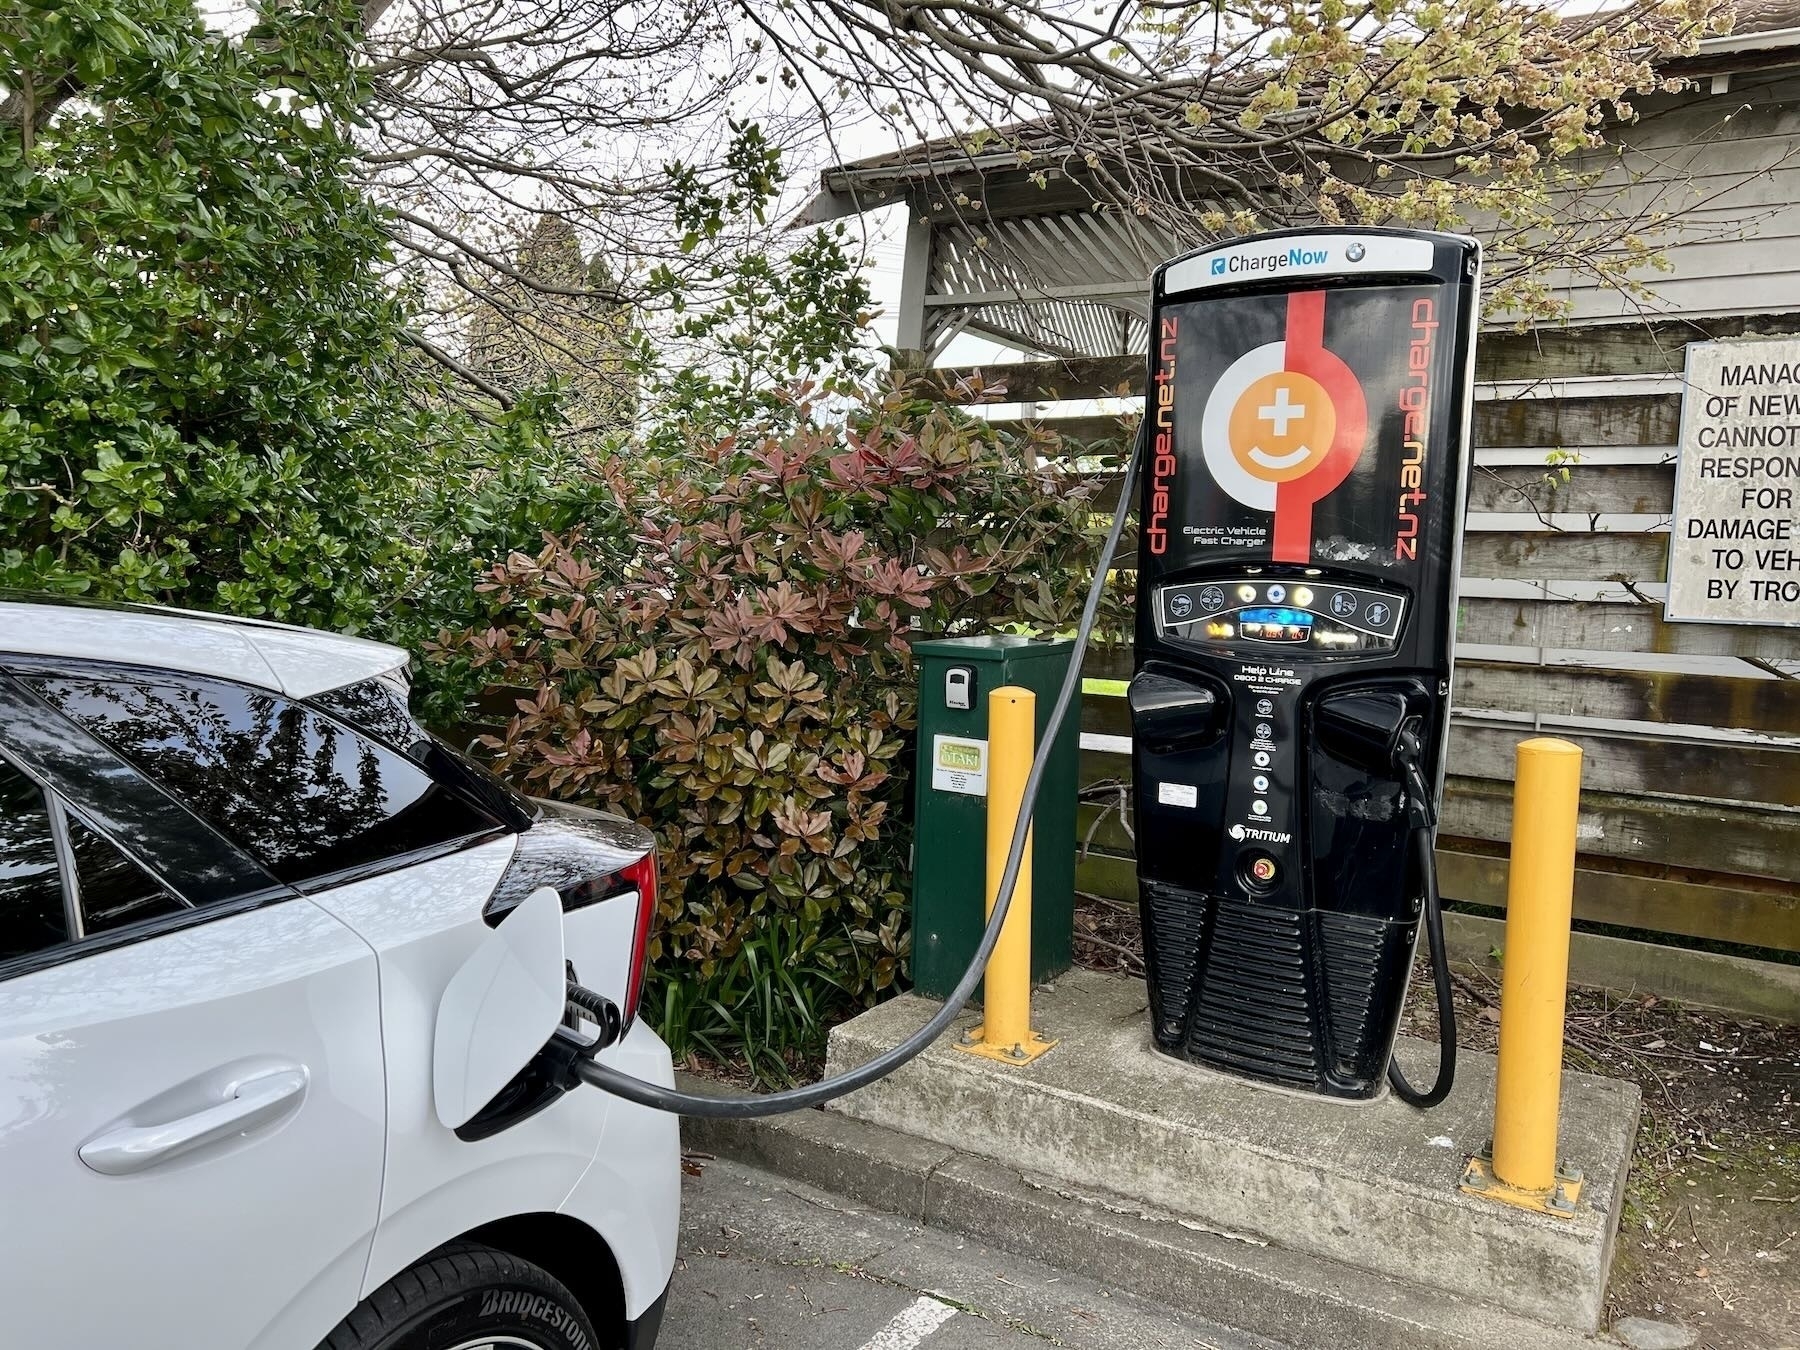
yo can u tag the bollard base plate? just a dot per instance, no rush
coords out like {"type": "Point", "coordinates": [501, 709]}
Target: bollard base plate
{"type": "Point", "coordinates": [972, 1043]}
{"type": "Point", "coordinates": [1559, 1201]}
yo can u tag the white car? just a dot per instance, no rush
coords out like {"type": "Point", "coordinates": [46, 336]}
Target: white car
{"type": "Point", "coordinates": [246, 1102]}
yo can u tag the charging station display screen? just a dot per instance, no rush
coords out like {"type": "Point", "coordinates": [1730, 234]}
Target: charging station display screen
{"type": "Point", "coordinates": [1306, 427]}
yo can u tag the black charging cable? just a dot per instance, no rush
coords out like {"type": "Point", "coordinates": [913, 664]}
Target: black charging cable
{"type": "Point", "coordinates": [1422, 814]}
{"type": "Point", "coordinates": [829, 1089]}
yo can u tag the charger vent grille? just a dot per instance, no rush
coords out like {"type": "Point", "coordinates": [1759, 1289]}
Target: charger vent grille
{"type": "Point", "coordinates": [1174, 925]}
{"type": "Point", "coordinates": [1353, 950]}
{"type": "Point", "coordinates": [1252, 1012]}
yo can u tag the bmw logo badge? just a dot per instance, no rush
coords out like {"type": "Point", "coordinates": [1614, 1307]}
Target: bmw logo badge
{"type": "Point", "coordinates": [1355, 253]}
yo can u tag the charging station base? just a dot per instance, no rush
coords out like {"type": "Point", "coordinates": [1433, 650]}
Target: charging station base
{"type": "Point", "coordinates": [1368, 1186]}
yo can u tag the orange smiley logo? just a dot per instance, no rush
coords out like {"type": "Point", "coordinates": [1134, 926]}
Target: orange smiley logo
{"type": "Point", "coordinates": [1282, 426]}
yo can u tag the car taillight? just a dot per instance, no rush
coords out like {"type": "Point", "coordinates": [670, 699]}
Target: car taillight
{"type": "Point", "coordinates": [642, 875]}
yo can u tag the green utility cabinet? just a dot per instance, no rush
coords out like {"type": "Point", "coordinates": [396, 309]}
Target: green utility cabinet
{"type": "Point", "coordinates": [950, 805]}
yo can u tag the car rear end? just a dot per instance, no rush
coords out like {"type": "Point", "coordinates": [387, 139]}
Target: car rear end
{"type": "Point", "coordinates": [604, 870]}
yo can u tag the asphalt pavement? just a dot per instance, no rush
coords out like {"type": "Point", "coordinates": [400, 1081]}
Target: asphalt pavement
{"type": "Point", "coordinates": [767, 1262]}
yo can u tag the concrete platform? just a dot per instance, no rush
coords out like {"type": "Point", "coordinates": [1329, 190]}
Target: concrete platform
{"type": "Point", "coordinates": [1366, 1186]}
{"type": "Point", "coordinates": [1276, 1297]}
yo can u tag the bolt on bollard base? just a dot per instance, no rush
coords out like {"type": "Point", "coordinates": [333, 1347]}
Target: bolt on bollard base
{"type": "Point", "coordinates": [975, 1042]}
{"type": "Point", "coordinates": [1559, 1201]}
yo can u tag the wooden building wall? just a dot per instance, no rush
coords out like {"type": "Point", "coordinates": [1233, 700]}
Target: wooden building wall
{"type": "Point", "coordinates": [1690, 819]}
{"type": "Point", "coordinates": [1726, 164]}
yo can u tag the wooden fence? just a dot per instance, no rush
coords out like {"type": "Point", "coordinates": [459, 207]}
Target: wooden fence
{"type": "Point", "coordinates": [1690, 819]}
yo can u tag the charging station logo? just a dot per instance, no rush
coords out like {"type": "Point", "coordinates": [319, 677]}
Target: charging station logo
{"type": "Point", "coordinates": [1284, 426]}
{"type": "Point", "coordinates": [1240, 834]}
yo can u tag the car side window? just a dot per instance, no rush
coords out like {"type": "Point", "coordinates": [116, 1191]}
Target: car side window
{"type": "Point", "coordinates": [296, 789]}
{"type": "Point", "coordinates": [32, 914]}
{"type": "Point", "coordinates": [378, 708]}
{"type": "Point", "coordinates": [112, 890]}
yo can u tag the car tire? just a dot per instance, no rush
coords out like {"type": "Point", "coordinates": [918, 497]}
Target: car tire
{"type": "Point", "coordinates": [463, 1296]}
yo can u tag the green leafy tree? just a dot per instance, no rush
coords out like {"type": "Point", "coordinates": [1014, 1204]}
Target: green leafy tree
{"type": "Point", "coordinates": [1204, 120]}
{"type": "Point", "coordinates": [208, 392]}
{"type": "Point", "coordinates": [756, 316]}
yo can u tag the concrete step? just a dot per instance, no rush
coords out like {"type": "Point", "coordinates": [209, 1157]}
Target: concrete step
{"type": "Point", "coordinates": [1370, 1186]}
{"type": "Point", "coordinates": [1252, 1286]}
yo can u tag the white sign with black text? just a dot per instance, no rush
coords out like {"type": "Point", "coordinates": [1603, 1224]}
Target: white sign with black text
{"type": "Point", "coordinates": [959, 764]}
{"type": "Point", "coordinates": [1734, 543]}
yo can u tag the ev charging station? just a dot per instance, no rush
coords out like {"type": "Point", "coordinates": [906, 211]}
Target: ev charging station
{"type": "Point", "coordinates": [1299, 483]}
{"type": "Point", "coordinates": [1300, 515]}
{"type": "Point", "coordinates": [1301, 474]}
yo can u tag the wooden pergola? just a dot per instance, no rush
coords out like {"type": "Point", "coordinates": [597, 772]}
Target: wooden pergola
{"type": "Point", "coordinates": [1006, 251]}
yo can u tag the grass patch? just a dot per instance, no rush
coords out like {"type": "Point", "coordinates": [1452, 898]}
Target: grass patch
{"type": "Point", "coordinates": [766, 1012]}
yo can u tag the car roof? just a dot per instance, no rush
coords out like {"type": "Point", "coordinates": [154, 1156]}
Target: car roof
{"type": "Point", "coordinates": [298, 662]}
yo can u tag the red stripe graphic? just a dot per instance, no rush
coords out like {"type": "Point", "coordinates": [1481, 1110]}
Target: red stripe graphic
{"type": "Point", "coordinates": [1306, 355]}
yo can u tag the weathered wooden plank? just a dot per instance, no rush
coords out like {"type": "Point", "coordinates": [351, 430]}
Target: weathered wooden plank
{"type": "Point", "coordinates": [1644, 769]}
{"type": "Point", "coordinates": [1719, 912]}
{"type": "Point", "coordinates": [1081, 434]}
{"type": "Point", "coordinates": [1104, 766]}
{"type": "Point", "coordinates": [1512, 423]}
{"type": "Point", "coordinates": [1106, 874]}
{"type": "Point", "coordinates": [1712, 837]}
{"type": "Point", "coordinates": [1549, 424]}
{"type": "Point", "coordinates": [1049, 381]}
{"type": "Point", "coordinates": [1648, 766]}
{"type": "Point", "coordinates": [1706, 837]}
{"type": "Point", "coordinates": [1636, 348]}
{"type": "Point", "coordinates": [1731, 192]}
{"type": "Point", "coordinates": [1615, 762]}
{"type": "Point", "coordinates": [1642, 419]}
{"type": "Point", "coordinates": [1771, 706]}
{"type": "Point", "coordinates": [1612, 762]}
{"type": "Point", "coordinates": [1594, 557]}
{"type": "Point", "coordinates": [1751, 916]}
{"type": "Point", "coordinates": [1104, 714]}
{"type": "Point", "coordinates": [1107, 662]}
{"type": "Point", "coordinates": [1586, 489]}
{"type": "Point", "coordinates": [1687, 130]}
{"type": "Point", "coordinates": [1099, 827]}
{"type": "Point", "coordinates": [1638, 489]}
{"type": "Point", "coordinates": [1592, 626]}
{"type": "Point", "coordinates": [1603, 627]}
{"type": "Point", "coordinates": [1703, 282]}
{"type": "Point", "coordinates": [1107, 499]}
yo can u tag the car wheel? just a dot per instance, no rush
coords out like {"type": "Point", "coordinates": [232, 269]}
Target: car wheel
{"type": "Point", "coordinates": [468, 1298]}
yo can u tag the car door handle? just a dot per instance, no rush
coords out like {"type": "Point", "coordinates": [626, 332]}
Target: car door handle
{"type": "Point", "coordinates": [257, 1101]}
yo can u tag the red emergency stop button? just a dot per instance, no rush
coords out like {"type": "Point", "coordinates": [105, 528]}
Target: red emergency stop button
{"type": "Point", "coordinates": [1259, 871]}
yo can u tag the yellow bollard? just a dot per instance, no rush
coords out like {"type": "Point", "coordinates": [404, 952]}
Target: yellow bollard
{"type": "Point", "coordinates": [1005, 1033]}
{"type": "Point", "coordinates": [1522, 1169]}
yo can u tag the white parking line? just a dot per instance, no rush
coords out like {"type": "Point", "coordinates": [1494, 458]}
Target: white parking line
{"type": "Point", "coordinates": [911, 1324]}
